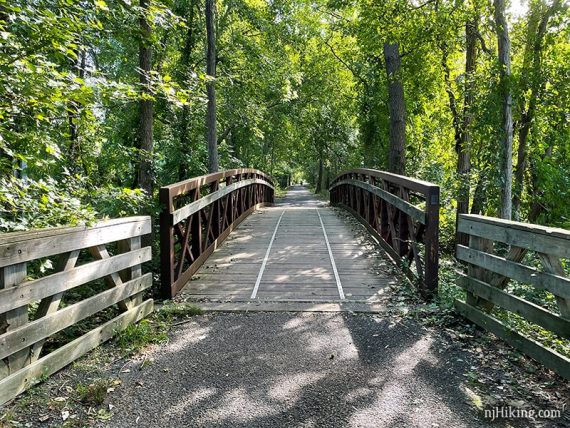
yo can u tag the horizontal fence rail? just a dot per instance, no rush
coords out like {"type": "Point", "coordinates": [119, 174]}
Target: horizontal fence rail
{"type": "Point", "coordinates": [107, 256]}
{"type": "Point", "coordinates": [401, 212]}
{"type": "Point", "coordinates": [199, 214]}
{"type": "Point", "coordinates": [500, 251]}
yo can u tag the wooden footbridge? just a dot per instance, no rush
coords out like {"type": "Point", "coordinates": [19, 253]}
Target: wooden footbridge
{"type": "Point", "coordinates": [296, 249]}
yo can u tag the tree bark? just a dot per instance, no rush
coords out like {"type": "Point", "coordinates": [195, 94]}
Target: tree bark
{"type": "Point", "coordinates": [145, 179]}
{"type": "Point", "coordinates": [464, 141]}
{"type": "Point", "coordinates": [397, 110]}
{"type": "Point", "coordinates": [319, 184]}
{"type": "Point", "coordinates": [211, 87]}
{"type": "Point", "coordinates": [74, 112]}
{"type": "Point", "coordinates": [531, 71]}
{"type": "Point", "coordinates": [506, 141]}
{"type": "Point", "coordinates": [189, 44]}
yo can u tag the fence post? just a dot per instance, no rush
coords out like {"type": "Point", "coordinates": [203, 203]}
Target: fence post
{"type": "Point", "coordinates": [431, 241]}
{"type": "Point", "coordinates": [166, 244]}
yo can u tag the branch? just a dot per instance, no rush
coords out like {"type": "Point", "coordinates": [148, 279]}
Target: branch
{"type": "Point", "coordinates": [424, 4]}
{"type": "Point", "coordinates": [351, 69]}
{"type": "Point", "coordinates": [482, 41]}
{"type": "Point", "coordinates": [224, 134]}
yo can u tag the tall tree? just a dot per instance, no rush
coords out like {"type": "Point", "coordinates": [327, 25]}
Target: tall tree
{"type": "Point", "coordinates": [186, 70]}
{"type": "Point", "coordinates": [145, 179]}
{"type": "Point", "coordinates": [463, 140]}
{"type": "Point", "coordinates": [506, 141]}
{"type": "Point", "coordinates": [74, 113]}
{"type": "Point", "coordinates": [397, 109]}
{"type": "Point", "coordinates": [533, 83]}
{"type": "Point", "coordinates": [211, 86]}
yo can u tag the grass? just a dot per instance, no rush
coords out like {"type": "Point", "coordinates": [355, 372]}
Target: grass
{"type": "Point", "coordinates": [7, 420]}
{"type": "Point", "coordinates": [154, 330]}
{"type": "Point", "coordinates": [138, 336]}
{"type": "Point", "coordinates": [170, 311]}
{"type": "Point", "coordinates": [85, 398]}
{"type": "Point", "coordinates": [94, 393]}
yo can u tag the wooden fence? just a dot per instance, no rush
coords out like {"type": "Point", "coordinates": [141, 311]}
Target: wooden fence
{"type": "Point", "coordinates": [402, 213]}
{"type": "Point", "coordinates": [496, 255]}
{"type": "Point", "coordinates": [199, 214]}
{"type": "Point", "coordinates": [30, 310]}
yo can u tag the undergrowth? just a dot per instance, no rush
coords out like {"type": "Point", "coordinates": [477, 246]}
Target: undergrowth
{"type": "Point", "coordinates": [154, 329]}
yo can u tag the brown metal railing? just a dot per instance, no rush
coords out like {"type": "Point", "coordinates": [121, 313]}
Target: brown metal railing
{"type": "Point", "coordinates": [401, 212]}
{"type": "Point", "coordinates": [199, 214]}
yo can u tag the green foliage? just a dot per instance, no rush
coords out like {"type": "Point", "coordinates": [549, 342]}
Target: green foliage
{"type": "Point", "coordinates": [29, 204]}
{"type": "Point", "coordinates": [170, 311]}
{"type": "Point", "coordinates": [94, 393]}
{"type": "Point", "coordinates": [299, 85]}
{"type": "Point", "coordinates": [137, 336]}
{"type": "Point", "coordinates": [154, 330]}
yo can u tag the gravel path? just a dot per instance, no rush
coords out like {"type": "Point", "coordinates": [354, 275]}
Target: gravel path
{"type": "Point", "coordinates": [297, 370]}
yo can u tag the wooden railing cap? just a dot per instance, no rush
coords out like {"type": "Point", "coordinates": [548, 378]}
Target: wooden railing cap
{"type": "Point", "coordinates": [19, 236]}
{"type": "Point", "coordinates": [182, 187]}
{"type": "Point", "coordinates": [410, 183]}
{"type": "Point", "coordinates": [527, 227]}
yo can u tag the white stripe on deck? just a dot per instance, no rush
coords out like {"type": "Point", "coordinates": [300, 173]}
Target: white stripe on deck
{"type": "Point", "coordinates": [337, 278]}
{"type": "Point", "coordinates": [258, 281]}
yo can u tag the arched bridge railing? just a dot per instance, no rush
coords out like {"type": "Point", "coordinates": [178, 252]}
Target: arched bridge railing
{"type": "Point", "coordinates": [199, 213]}
{"type": "Point", "coordinates": [401, 212]}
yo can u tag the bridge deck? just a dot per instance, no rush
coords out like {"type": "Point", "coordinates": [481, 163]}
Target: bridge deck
{"type": "Point", "coordinates": [300, 250]}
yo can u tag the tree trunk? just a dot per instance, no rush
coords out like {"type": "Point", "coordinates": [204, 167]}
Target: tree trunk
{"type": "Point", "coordinates": [463, 143]}
{"type": "Point", "coordinates": [506, 143]}
{"type": "Point", "coordinates": [478, 205]}
{"type": "Point", "coordinates": [211, 87]}
{"type": "Point", "coordinates": [145, 179]}
{"type": "Point", "coordinates": [319, 184]}
{"type": "Point", "coordinates": [189, 44]}
{"type": "Point", "coordinates": [531, 76]}
{"type": "Point", "coordinates": [74, 112]}
{"type": "Point", "coordinates": [397, 109]}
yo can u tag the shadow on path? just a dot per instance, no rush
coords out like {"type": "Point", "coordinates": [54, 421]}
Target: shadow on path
{"type": "Point", "coordinates": [298, 370]}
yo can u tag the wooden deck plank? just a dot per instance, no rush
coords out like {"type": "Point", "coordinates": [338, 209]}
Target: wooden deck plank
{"type": "Point", "coordinates": [298, 267]}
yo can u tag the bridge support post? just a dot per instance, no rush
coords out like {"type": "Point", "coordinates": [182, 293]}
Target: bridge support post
{"type": "Point", "coordinates": [387, 205]}
{"type": "Point", "coordinates": [166, 245]}
{"type": "Point", "coordinates": [431, 242]}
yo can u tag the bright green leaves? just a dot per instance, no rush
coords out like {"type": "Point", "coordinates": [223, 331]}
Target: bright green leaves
{"type": "Point", "coordinates": [101, 4]}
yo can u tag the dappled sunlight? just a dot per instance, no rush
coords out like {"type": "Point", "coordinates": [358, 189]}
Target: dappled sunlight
{"type": "Point", "coordinates": [296, 323]}
{"type": "Point", "coordinates": [409, 359]}
{"type": "Point", "coordinates": [337, 342]}
{"type": "Point", "coordinates": [290, 387]}
{"type": "Point", "coordinates": [396, 396]}
{"type": "Point", "coordinates": [192, 399]}
{"type": "Point", "coordinates": [357, 394]}
{"type": "Point", "coordinates": [236, 405]}
{"type": "Point", "coordinates": [284, 255]}
{"type": "Point", "coordinates": [238, 256]}
{"type": "Point", "coordinates": [242, 238]}
{"type": "Point", "coordinates": [269, 369]}
{"type": "Point", "coordinates": [192, 337]}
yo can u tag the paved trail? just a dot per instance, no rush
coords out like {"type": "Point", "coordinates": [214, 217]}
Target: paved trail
{"type": "Point", "coordinates": [298, 370]}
